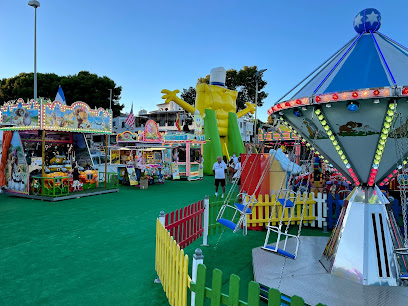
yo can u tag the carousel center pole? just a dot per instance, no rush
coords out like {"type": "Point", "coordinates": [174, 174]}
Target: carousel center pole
{"type": "Point", "coordinates": [106, 158]}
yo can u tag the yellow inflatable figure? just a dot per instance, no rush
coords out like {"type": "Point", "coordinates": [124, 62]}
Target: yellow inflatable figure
{"type": "Point", "coordinates": [217, 105]}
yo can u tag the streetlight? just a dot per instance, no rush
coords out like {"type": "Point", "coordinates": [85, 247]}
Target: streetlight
{"type": "Point", "coordinates": [35, 4]}
{"type": "Point", "coordinates": [110, 99]}
{"type": "Point", "coordinates": [258, 76]}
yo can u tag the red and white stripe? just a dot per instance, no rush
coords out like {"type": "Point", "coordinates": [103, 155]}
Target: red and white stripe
{"type": "Point", "coordinates": [130, 121]}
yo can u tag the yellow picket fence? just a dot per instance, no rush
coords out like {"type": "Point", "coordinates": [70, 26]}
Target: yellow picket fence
{"type": "Point", "coordinates": [262, 211]}
{"type": "Point", "coordinates": [171, 267]}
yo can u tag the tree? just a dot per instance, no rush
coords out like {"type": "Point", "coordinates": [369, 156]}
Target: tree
{"type": "Point", "coordinates": [189, 95]}
{"type": "Point", "coordinates": [84, 86]}
{"type": "Point", "coordinates": [242, 81]}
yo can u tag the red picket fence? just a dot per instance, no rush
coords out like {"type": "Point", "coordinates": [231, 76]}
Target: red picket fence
{"type": "Point", "coordinates": [186, 224]}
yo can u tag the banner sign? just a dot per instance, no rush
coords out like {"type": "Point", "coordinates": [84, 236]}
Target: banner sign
{"type": "Point", "coordinates": [55, 116]}
{"type": "Point", "coordinates": [20, 115]}
{"type": "Point", "coordinates": [77, 117]}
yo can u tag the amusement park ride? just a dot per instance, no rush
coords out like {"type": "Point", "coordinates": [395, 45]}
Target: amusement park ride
{"type": "Point", "coordinates": [353, 111]}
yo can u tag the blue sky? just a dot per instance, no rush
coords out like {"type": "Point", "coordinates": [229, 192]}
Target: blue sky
{"type": "Point", "coordinates": [146, 46]}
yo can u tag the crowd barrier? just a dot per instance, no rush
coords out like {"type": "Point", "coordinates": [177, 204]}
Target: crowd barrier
{"type": "Point", "coordinates": [176, 230]}
{"type": "Point", "coordinates": [186, 224]}
{"type": "Point", "coordinates": [171, 266]}
{"type": "Point", "coordinates": [315, 214]}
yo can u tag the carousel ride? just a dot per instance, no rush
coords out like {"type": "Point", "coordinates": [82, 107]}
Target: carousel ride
{"type": "Point", "coordinates": [353, 111]}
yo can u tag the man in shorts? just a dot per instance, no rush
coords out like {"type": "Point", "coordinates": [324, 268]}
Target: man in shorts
{"type": "Point", "coordinates": [219, 169]}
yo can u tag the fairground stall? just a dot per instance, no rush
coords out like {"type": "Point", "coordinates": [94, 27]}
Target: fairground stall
{"type": "Point", "coordinates": [44, 152]}
{"type": "Point", "coordinates": [187, 155]}
{"type": "Point", "coordinates": [142, 155]}
{"type": "Point", "coordinates": [177, 156]}
{"type": "Point", "coordinates": [283, 136]}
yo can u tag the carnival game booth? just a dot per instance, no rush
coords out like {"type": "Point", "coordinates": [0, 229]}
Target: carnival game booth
{"type": "Point", "coordinates": [144, 150]}
{"type": "Point", "coordinates": [177, 156]}
{"type": "Point", "coordinates": [186, 154]}
{"type": "Point", "coordinates": [285, 137]}
{"type": "Point", "coordinates": [44, 151]}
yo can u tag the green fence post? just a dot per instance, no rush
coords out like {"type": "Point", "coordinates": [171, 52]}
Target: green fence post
{"type": "Point", "coordinates": [200, 285]}
{"type": "Point", "coordinates": [216, 288]}
{"type": "Point", "coordinates": [253, 294]}
{"type": "Point", "coordinates": [296, 301]}
{"type": "Point", "coordinates": [234, 290]}
{"type": "Point", "coordinates": [274, 297]}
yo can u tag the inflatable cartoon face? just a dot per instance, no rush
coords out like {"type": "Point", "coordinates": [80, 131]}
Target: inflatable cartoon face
{"type": "Point", "coordinates": [219, 99]}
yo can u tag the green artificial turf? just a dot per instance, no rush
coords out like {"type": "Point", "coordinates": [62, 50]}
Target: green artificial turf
{"type": "Point", "coordinates": [88, 251]}
{"type": "Point", "coordinates": [233, 254]}
{"type": "Point", "coordinates": [99, 250]}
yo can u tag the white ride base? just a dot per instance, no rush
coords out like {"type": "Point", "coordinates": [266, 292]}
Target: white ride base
{"type": "Point", "coordinates": [306, 277]}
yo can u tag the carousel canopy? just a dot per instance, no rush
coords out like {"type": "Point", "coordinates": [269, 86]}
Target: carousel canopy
{"type": "Point", "coordinates": [353, 108]}
{"type": "Point", "coordinates": [368, 60]}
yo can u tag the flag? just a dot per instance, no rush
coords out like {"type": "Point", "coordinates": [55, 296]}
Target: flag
{"type": "Point", "coordinates": [177, 123]}
{"type": "Point", "coordinates": [60, 96]}
{"type": "Point", "coordinates": [130, 121]}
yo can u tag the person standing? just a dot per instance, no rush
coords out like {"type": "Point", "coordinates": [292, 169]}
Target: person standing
{"type": "Point", "coordinates": [219, 169]}
{"type": "Point", "coordinates": [138, 166]}
{"type": "Point", "coordinates": [237, 174]}
{"type": "Point", "coordinates": [235, 158]}
{"type": "Point", "coordinates": [225, 160]}
{"type": "Point", "coordinates": [201, 166]}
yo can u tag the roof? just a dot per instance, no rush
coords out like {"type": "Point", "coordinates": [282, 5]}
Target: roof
{"type": "Point", "coordinates": [368, 60]}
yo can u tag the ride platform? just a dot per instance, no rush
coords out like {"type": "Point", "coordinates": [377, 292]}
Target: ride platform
{"type": "Point", "coordinates": [73, 195]}
{"type": "Point", "coordinates": [306, 277]}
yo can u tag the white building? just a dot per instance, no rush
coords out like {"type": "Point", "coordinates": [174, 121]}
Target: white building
{"type": "Point", "coordinates": [246, 127]}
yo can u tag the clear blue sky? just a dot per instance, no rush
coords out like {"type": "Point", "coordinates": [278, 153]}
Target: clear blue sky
{"type": "Point", "coordinates": [146, 46]}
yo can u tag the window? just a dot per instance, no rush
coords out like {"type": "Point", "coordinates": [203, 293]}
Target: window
{"type": "Point", "coordinates": [194, 155]}
{"type": "Point", "coordinates": [89, 176]}
{"type": "Point", "coordinates": [240, 125]}
{"type": "Point", "coordinates": [123, 124]}
{"type": "Point", "coordinates": [114, 123]}
{"type": "Point", "coordinates": [182, 155]}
